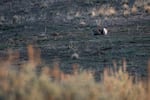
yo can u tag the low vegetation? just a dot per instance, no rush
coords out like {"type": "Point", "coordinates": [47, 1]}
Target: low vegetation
{"type": "Point", "coordinates": [25, 81]}
{"type": "Point", "coordinates": [64, 12]}
{"type": "Point", "coordinates": [45, 21]}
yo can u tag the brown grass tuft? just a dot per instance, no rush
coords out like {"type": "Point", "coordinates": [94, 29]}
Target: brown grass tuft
{"type": "Point", "coordinates": [104, 11]}
{"type": "Point", "coordinates": [134, 10]}
{"type": "Point", "coordinates": [147, 9]}
{"type": "Point", "coordinates": [34, 56]}
{"type": "Point", "coordinates": [107, 11]}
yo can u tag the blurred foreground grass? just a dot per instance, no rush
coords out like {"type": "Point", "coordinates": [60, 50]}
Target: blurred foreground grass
{"type": "Point", "coordinates": [25, 82]}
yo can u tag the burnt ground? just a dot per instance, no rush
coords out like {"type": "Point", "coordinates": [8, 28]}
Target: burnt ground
{"type": "Point", "coordinates": [59, 33]}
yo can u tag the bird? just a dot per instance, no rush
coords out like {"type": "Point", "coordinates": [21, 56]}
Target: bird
{"type": "Point", "coordinates": [100, 31]}
{"type": "Point", "coordinates": [105, 31]}
{"type": "Point", "coordinates": [75, 56]}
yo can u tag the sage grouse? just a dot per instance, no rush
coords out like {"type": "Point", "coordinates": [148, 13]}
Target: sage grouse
{"type": "Point", "coordinates": [75, 56]}
{"type": "Point", "coordinates": [100, 31]}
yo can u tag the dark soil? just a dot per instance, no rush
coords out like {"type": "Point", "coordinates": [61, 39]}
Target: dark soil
{"type": "Point", "coordinates": [59, 34]}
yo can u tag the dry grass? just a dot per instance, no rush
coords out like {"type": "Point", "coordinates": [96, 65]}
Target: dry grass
{"type": "Point", "coordinates": [134, 10]}
{"type": "Point", "coordinates": [105, 10]}
{"type": "Point", "coordinates": [108, 10]}
{"type": "Point", "coordinates": [143, 4]}
{"type": "Point", "coordinates": [126, 12]}
{"type": "Point", "coordinates": [26, 83]}
{"type": "Point", "coordinates": [147, 9]}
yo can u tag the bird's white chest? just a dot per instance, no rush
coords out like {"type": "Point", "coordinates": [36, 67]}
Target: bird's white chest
{"type": "Point", "coordinates": [105, 31]}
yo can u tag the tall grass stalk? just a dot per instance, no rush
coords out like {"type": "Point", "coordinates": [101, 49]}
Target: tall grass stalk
{"type": "Point", "coordinates": [24, 82]}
